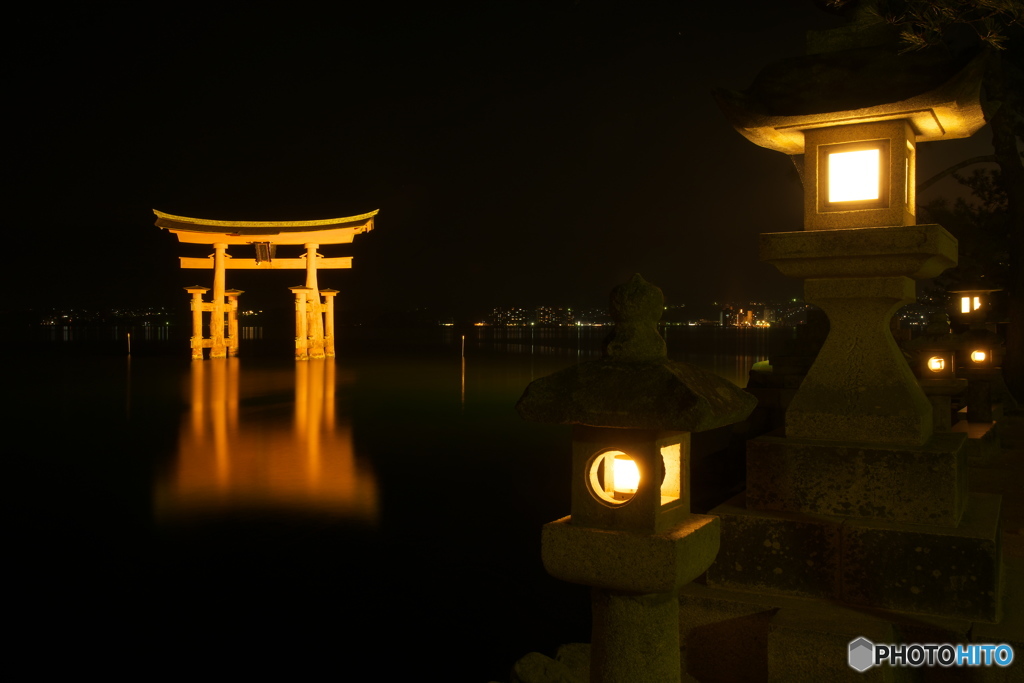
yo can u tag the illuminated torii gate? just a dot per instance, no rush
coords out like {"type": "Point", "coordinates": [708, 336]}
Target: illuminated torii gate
{"type": "Point", "coordinates": [314, 318]}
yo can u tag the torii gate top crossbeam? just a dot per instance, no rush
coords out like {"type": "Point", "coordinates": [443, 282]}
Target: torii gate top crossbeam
{"type": "Point", "coordinates": [323, 231]}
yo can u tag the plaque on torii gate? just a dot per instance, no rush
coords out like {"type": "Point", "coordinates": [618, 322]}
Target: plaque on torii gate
{"type": "Point", "coordinates": [314, 307]}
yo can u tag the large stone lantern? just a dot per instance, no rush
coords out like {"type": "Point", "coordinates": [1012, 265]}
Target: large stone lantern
{"type": "Point", "coordinates": [631, 534]}
{"type": "Point", "coordinates": [860, 249]}
{"type": "Point", "coordinates": [857, 519]}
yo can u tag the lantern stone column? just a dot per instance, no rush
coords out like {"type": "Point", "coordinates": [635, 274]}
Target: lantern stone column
{"type": "Point", "coordinates": [197, 320]}
{"type": "Point", "coordinates": [860, 388]}
{"type": "Point", "coordinates": [634, 541]}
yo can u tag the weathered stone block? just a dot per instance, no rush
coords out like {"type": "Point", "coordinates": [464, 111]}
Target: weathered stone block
{"type": "Point", "coordinates": [952, 572]}
{"type": "Point", "coordinates": [624, 561]}
{"type": "Point", "coordinates": [916, 484]}
{"type": "Point", "coordinates": [917, 251]}
{"type": "Point", "coordinates": [777, 552]}
{"type": "Point", "coordinates": [983, 443]}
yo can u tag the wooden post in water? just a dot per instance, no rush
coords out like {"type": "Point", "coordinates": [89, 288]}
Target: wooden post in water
{"type": "Point", "coordinates": [217, 347]}
{"type": "Point", "coordinates": [329, 295]}
{"type": "Point", "coordinates": [314, 310]}
{"type": "Point", "coordinates": [232, 342]}
{"type": "Point", "coordinates": [197, 319]}
{"type": "Point", "coordinates": [301, 328]}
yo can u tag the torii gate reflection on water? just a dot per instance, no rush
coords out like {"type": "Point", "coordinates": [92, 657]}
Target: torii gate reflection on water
{"type": "Point", "coordinates": [314, 316]}
{"type": "Point", "coordinates": [245, 445]}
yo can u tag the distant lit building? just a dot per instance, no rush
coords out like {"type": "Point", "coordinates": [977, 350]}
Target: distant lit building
{"type": "Point", "coordinates": [510, 317]}
{"type": "Point", "coordinates": [554, 316]}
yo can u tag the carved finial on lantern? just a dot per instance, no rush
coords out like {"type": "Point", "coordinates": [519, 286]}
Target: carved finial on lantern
{"type": "Point", "coordinates": [636, 306]}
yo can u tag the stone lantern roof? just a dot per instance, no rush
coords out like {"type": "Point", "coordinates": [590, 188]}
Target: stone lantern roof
{"type": "Point", "coordinates": [635, 385]}
{"type": "Point", "coordinates": [857, 74]}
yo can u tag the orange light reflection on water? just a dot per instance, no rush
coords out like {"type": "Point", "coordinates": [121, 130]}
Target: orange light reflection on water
{"type": "Point", "coordinates": [281, 446]}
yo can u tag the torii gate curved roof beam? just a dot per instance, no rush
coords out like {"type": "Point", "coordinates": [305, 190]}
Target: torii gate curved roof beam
{"type": "Point", "coordinates": [322, 231]}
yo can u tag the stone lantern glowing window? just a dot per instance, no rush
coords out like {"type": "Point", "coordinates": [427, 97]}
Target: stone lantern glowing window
{"type": "Point", "coordinates": [854, 176]}
{"type": "Point", "coordinates": [936, 363]}
{"type": "Point", "coordinates": [613, 477]}
{"type": "Point", "coordinates": [631, 479]}
{"type": "Point", "coordinates": [859, 175]}
{"type": "Point", "coordinates": [968, 303]}
{"type": "Point", "coordinates": [972, 304]}
{"type": "Point", "coordinates": [979, 356]}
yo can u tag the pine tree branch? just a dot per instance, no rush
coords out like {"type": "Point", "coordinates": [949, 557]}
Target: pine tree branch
{"type": "Point", "coordinates": [921, 187]}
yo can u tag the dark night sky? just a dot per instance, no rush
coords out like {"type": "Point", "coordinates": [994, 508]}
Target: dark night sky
{"type": "Point", "coordinates": [520, 153]}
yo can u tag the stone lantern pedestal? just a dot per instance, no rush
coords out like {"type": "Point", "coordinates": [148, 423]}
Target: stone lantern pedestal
{"type": "Point", "coordinates": [857, 520]}
{"type": "Point", "coordinates": [860, 388]}
{"type": "Point", "coordinates": [859, 452]}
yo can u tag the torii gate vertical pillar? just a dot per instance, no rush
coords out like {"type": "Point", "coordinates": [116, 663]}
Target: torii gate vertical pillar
{"type": "Point", "coordinates": [217, 346]}
{"type": "Point", "coordinates": [314, 317]}
{"type": "Point", "coordinates": [329, 295]}
{"type": "Point", "coordinates": [301, 329]}
{"type": "Point", "coordinates": [197, 320]}
{"type": "Point", "coordinates": [232, 343]}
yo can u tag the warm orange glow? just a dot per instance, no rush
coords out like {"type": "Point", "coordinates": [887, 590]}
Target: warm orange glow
{"type": "Point", "coordinates": [936, 364]}
{"type": "Point", "coordinates": [968, 303]}
{"type": "Point", "coordinates": [613, 477]}
{"type": "Point", "coordinates": [671, 455]}
{"type": "Point", "coordinates": [978, 356]}
{"type": "Point", "coordinates": [853, 176]}
{"type": "Point", "coordinates": [235, 456]}
{"type": "Point", "coordinates": [627, 476]}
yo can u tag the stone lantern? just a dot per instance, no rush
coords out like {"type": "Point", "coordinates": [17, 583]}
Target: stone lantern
{"type": "Point", "coordinates": [858, 507]}
{"type": "Point", "coordinates": [979, 360]}
{"type": "Point", "coordinates": [934, 360]}
{"type": "Point", "coordinates": [980, 353]}
{"type": "Point", "coordinates": [631, 534]}
{"type": "Point", "coordinates": [971, 305]}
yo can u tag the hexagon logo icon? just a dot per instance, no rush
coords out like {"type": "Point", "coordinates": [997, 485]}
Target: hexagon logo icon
{"type": "Point", "coordinates": [862, 654]}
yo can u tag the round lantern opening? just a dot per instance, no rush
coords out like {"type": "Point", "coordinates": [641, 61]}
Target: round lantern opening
{"type": "Point", "coordinates": [978, 356]}
{"type": "Point", "coordinates": [936, 364]}
{"type": "Point", "coordinates": [613, 477]}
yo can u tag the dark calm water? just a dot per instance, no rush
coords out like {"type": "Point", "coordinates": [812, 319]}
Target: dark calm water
{"type": "Point", "coordinates": [259, 515]}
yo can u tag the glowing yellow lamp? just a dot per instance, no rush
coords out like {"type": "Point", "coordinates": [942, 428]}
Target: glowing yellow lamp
{"type": "Point", "coordinates": [854, 176]}
{"type": "Point", "coordinates": [614, 477]}
{"type": "Point", "coordinates": [978, 356]}
{"type": "Point", "coordinates": [967, 304]}
{"type": "Point", "coordinates": [627, 475]}
{"type": "Point", "coordinates": [936, 364]}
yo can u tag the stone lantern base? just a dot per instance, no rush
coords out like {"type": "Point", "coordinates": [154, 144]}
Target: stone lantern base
{"type": "Point", "coordinates": [827, 545]}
